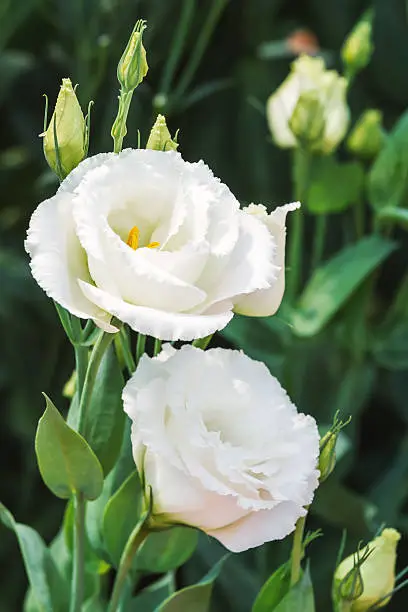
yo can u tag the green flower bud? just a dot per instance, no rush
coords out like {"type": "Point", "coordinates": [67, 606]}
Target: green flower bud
{"type": "Point", "coordinates": [373, 568]}
{"type": "Point", "coordinates": [160, 138]}
{"type": "Point", "coordinates": [132, 67]}
{"type": "Point", "coordinates": [358, 47]}
{"type": "Point", "coordinates": [307, 121]}
{"type": "Point", "coordinates": [367, 137]}
{"type": "Point", "coordinates": [65, 141]}
{"type": "Point", "coordinates": [327, 458]}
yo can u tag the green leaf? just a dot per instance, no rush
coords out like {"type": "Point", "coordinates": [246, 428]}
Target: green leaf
{"type": "Point", "coordinates": [300, 597]}
{"type": "Point", "coordinates": [48, 590]}
{"type": "Point", "coordinates": [121, 514]}
{"type": "Point", "coordinates": [106, 417]}
{"type": "Point", "coordinates": [349, 180]}
{"type": "Point", "coordinates": [66, 462]}
{"type": "Point", "coordinates": [390, 214]}
{"type": "Point", "coordinates": [388, 178]}
{"type": "Point", "coordinates": [163, 551]}
{"type": "Point", "coordinates": [196, 597]}
{"type": "Point", "coordinates": [390, 348]}
{"type": "Point", "coordinates": [334, 282]}
{"type": "Point", "coordinates": [274, 590]}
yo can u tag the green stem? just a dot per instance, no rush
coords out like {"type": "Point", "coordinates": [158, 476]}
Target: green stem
{"type": "Point", "coordinates": [157, 346]}
{"type": "Point", "coordinates": [301, 180]}
{"type": "Point", "coordinates": [77, 585]}
{"type": "Point", "coordinates": [127, 353]}
{"type": "Point", "coordinates": [319, 240]}
{"type": "Point", "coordinates": [201, 44]}
{"type": "Point", "coordinates": [297, 551]}
{"type": "Point", "coordinates": [81, 363]}
{"type": "Point", "coordinates": [98, 352]}
{"type": "Point", "coordinates": [136, 538]}
{"type": "Point", "coordinates": [119, 129]}
{"type": "Point", "coordinates": [359, 221]}
{"type": "Point", "coordinates": [140, 346]}
{"type": "Point", "coordinates": [177, 45]}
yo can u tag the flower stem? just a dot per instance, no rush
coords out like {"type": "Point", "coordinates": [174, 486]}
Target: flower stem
{"type": "Point", "coordinates": [136, 538]}
{"type": "Point", "coordinates": [98, 352]}
{"type": "Point", "coordinates": [81, 363]}
{"type": "Point", "coordinates": [319, 240]}
{"type": "Point", "coordinates": [119, 129]}
{"type": "Point", "coordinates": [157, 346]}
{"type": "Point", "coordinates": [301, 168]}
{"type": "Point", "coordinates": [77, 584]}
{"type": "Point", "coordinates": [127, 353]}
{"type": "Point", "coordinates": [297, 551]}
{"type": "Point", "coordinates": [140, 346]}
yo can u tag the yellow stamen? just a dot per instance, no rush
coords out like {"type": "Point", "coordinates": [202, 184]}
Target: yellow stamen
{"type": "Point", "coordinates": [133, 238]}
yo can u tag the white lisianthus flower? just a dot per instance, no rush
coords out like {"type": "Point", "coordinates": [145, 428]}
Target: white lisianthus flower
{"type": "Point", "coordinates": [221, 445]}
{"type": "Point", "coordinates": [157, 242]}
{"type": "Point", "coordinates": [309, 106]}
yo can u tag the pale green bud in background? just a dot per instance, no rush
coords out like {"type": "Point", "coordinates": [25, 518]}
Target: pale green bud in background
{"type": "Point", "coordinates": [358, 47]}
{"type": "Point", "coordinates": [160, 138]}
{"type": "Point", "coordinates": [377, 570]}
{"type": "Point", "coordinates": [67, 128]}
{"type": "Point", "coordinates": [328, 442]}
{"type": "Point", "coordinates": [132, 67]}
{"type": "Point", "coordinates": [309, 108]}
{"type": "Point", "coordinates": [307, 121]}
{"type": "Point", "coordinates": [367, 136]}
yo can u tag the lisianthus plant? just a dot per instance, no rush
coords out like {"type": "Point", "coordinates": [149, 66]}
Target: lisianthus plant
{"type": "Point", "coordinates": [139, 246]}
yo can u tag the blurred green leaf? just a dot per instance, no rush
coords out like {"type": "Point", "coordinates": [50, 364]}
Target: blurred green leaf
{"type": "Point", "coordinates": [390, 215]}
{"type": "Point", "coordinates": [106, 417]}
{"type": "Point", "coordinates": [299, 597]}
{"type": "Point", "coordinates": [66, 462]}
{"type": "Point", "coordinates": [274, 590]}
{"type": "Point", "coordinates": [348, 177]}
{"type": "Point", "coordinates": [152, 596]}
{"type": "Point", "coordinates": [48, 588]}
{"type": "Point", "coordinates": [196, 597]}
{"type": "Point", "coordinates": [388, 178]}
{"type": "Point", "coordinates": [121, 514]}
{"type": "Point", "coordinates": [163, 551]}
{"type": "Point", "coordinates": [334, 282]}
{"type": "Point", "coordinates": [390, 348]}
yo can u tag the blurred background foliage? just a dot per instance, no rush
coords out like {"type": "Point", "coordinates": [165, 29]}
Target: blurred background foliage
{"type": "Point", "coordinates": [232, 55]}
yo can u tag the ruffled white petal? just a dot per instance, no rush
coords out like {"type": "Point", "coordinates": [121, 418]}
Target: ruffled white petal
{"type": "Point", "coordinates": [57, 258]}
{"type": "Point", "coordinates": [157, 323]}
{"type": "Point", "coordinates": [266, 302]}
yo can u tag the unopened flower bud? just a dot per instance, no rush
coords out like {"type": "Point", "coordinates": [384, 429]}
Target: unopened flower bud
{"type": "Point", "coordinates": [367, 136]}
{"type": "Point", "coordinates": [358, 47]}
{"type": "Point", "coordinates": [132, 67]}
{"type": "Point", "coordinates": [376, 566]}
{"type": "Point", "coordinates": [64, 141]}
{"type": "Point", "coordinates": [160, 138]}
{"type": "Point", "coordinates": [307, 122]}
{"type": "Point", "coordinates": [327, 457]}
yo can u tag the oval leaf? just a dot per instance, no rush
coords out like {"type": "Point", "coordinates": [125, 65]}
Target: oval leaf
{"type": "Point", "coordinates": [49, 592]}
{"type": "Point", "coordinates": [67, 463]}
{"type": "Point", "coordinates": [333, 283]}
{"type": "Point", "coordinates": [163, 551]}
{"type": "Point", "coordinates": [196, 597]}
{"type": "Point", "coordinates": [299, 598]}
{"type": "Point", "coordinates": [349, 180]}
{"type": "Point", "coordinates": [121, 515]}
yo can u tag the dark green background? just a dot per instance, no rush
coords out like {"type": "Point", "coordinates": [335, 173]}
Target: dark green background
{"type": "Point", "coordinates": [42, 41]}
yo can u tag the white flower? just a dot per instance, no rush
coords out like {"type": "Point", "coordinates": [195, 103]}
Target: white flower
{"type": "Point", "coordinates": [155, 241]}
{"type": "Point", "coordinates": [221, 445]}
{"type": "Point", "coordinates": [314, 100]}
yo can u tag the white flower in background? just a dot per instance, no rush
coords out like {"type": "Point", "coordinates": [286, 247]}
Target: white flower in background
{"type": "Point", "coordinates": [221, 445]}
{"type": "Point", "coordinates": [155, 241]}
{"type": "Point", "coordinates": [309, 107]}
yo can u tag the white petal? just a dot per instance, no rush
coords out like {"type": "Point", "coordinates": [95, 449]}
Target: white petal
{"type": "Point", "coordinates": [71, 182]}
{"type": "Point", "coordinates": [157, 323]}
{"type": "Point", "coordinates": [57, 258]}
{"type": "Point", "coordinates": [266, 302]}
{"type": "Point", "coordinates": [259, 527]}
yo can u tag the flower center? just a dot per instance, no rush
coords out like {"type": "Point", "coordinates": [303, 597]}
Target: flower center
{"type": "Point", "coordinates": [133, 240]}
